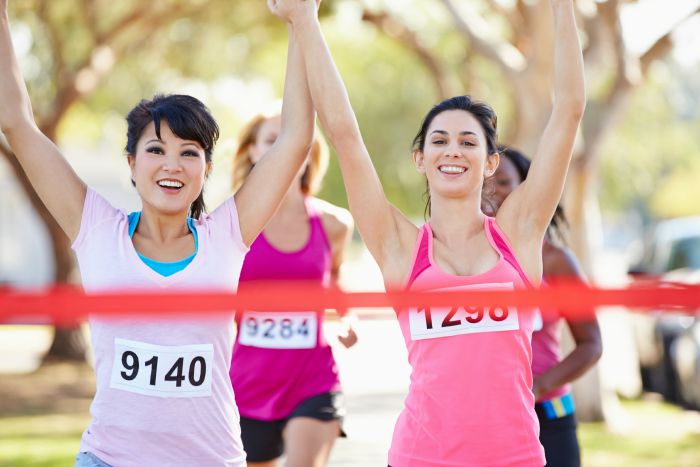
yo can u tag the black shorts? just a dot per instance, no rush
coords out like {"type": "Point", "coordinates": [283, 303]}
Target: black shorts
{"type": "Point", "coordinates": [262, 439]}
{"type": "Point", "coordinates": [558, 437]}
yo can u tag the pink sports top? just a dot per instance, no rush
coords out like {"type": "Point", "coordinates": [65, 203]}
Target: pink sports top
{"type": "Point", "coordinates": [546, 350]}
{"type": "Point", "coordinates": [163, 395]}
{"type": "Point", "coordinates": [282, 358]}
{"type": "Point", "coordinates": [469, 402]}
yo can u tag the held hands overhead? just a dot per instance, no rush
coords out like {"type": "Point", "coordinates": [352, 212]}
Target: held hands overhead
{"type": "Point", "coordinates": [292, 10]}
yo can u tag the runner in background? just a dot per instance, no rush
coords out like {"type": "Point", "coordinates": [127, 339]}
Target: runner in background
{"type": "Point", "coordinates": [552, 374]}
{"type": "Point", "coordinates": [470, 401]}
{"type": "Point", "coordinates": [283, 372]}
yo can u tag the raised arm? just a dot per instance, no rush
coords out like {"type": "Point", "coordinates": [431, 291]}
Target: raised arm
{"type": "Point", "coordinates": [52, 177]}
{"type": "Point", "coordinates": [263, 189]}
{"type": "Point", "coordinates": [527, 211]}
{"type": "Point", "coordinates": [387, 233]}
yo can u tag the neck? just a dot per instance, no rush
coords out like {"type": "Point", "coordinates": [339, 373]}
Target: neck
{"type": "Point", "coordinates": [292, 202]}
{"type": "Point", "coordinates": [161, 227]}
{"type": "Point", "coordinates": [456, 217]}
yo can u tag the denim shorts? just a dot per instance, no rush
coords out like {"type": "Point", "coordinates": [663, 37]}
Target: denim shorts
{"type": "Point", "coordinates": [88, 459]}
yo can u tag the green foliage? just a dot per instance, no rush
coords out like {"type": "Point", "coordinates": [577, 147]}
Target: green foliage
{"type": "Point", "coordinates": [647, 160]}
{"type": "Point", "coordinates": [652, 157]}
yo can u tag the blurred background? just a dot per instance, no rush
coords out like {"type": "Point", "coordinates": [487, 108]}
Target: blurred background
{"type": "Point", "coordinates": [632, 192]}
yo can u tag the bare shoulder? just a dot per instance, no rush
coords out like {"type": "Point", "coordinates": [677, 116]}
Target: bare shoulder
{"type": "Point", "coordinates": [559, 261]}
{"type": "Point", "coordinates": [337, 221]}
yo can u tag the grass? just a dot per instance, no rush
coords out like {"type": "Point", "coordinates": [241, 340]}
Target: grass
{"type": "Point", "coordinates": [652, 434]}
{"type": "Point", "coordinates": [656, 435]}
{"type": "Point", "coordinates": [40, 440]}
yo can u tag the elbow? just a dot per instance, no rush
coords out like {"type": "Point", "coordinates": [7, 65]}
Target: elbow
{"type": "Point", "coordinates": [14, 121]}
{"type": "Point", "coordinates": [9, 127]}
{"type": "Point", "coordinates": [575, 106]}
{"type": "Point", "coordinates": [578, 108]}
{"type": "Point", "coordinates": [300, 141]}
{"type": "Point", "coordinates": [343, 136]}
{"type": "Point", "coordinates": [337, 128]}
{"type": "Point", "coordinates": [595, 350]}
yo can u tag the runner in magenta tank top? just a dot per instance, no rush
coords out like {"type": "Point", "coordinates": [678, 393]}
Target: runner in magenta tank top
{"type": "Point", "coordinates": [467, 364]}
{"type": "Point", "coordinates": [552, 373]}
{"type": "Point", "coordinates": [272, 378]}
{"type": "Point", "coordinates": [283, 371]}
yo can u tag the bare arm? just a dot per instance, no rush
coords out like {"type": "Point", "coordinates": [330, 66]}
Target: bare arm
{"type": "Point", "coordinates": [527, 211]}
{"type": "Point", "coordinates": [338, 225]}
{"type": "Point", "coordinates": [560, 263]}
{"type": "Point", "coordinates": [387, 233]}
{"type": "Point", "coordinates": [52, 177]}
{"type": "Point", "coordinates": [265, 186]}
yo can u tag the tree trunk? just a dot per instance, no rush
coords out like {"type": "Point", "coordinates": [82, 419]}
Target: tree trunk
{"type": "Point", "coordinates": [69, 343]}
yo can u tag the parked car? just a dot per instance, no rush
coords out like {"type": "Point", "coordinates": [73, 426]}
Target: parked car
{"type": "Point", "coordinates": [668, 343]}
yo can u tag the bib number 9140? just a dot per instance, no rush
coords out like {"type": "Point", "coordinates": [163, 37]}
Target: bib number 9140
{"type": "Point", "coordinates": [433, 322]}
{"type": "Point", "coordinates": [163, 371]}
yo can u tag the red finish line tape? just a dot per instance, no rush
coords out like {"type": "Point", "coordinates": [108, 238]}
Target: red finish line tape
{"type": "Point", "coordinates": [69, 305]}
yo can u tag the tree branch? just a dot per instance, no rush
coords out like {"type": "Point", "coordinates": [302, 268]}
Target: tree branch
{"type": "Point", "coordinates": [391, 27]}
{"type": "Point", "coordinates": [55, 40]}
{"type": "Point", "coordinates": [505, 55]}
{"type": "Point", "coordinates": [513, 16]}
{"type": "Point", "coordinates": [604, 114]}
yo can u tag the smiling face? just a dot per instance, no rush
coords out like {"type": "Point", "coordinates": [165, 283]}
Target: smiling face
{"type": "Point", "coordinates": [168, 172]}
{"type": "Point", "coordinates": [455, 157]}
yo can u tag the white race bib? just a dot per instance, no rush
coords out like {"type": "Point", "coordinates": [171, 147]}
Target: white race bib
{"type": "Point", "coordinates": [162, 371]}
{"type": "Point", "coordinates": [433, 322]}
{"type": "Point", "coordinates": [278, 330]}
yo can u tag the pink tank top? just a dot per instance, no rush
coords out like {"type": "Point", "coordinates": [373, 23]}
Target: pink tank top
{"type": "Point", "coordinates": [470, 401]}
{"type": "Point", "coordinates": [281, 358]}
{"type": "Point", "coordinates": [546, 350]}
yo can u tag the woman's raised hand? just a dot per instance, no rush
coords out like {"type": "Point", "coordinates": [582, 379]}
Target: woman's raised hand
{"type": "Point", "coordinates": [291, 10]}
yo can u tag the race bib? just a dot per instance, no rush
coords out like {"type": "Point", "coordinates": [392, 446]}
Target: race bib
{"type": "Point", "coordinates": [434, 322]}
{"type": "Point", "coordinates": [278, 330]}
{"type": "Point", "coordinates": [162, 371]}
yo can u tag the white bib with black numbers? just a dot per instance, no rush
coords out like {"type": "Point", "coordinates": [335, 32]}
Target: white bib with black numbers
{"type": "Point", "coordinates": [275, 330]}
{"type": "Point", "coordinates": [434, 322]}
{"type": "Point", "coordinates": [162, 370]}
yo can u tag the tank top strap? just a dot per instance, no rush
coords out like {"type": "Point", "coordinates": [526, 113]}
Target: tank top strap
{"type": "Point", "coordinates": [421, 256]}
{"type": "Point", "coordinates": [311, 210]}
{"type": "Point", "coordinates": [315, 222]}
{"type": "Point", "coordinates": [499, 241]}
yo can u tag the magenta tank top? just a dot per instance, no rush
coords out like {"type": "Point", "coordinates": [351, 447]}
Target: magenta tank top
{"type": "Point", "coordinates": [281, 358]}
{"type": "Point", "coordinates": [469, 402]}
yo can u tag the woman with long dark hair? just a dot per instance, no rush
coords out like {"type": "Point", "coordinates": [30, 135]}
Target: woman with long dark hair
{"type": "Point", "coordinates": [470, 401]}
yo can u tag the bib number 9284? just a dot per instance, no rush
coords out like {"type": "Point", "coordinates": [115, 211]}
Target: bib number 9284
{"type": "Point", "coordinates": [275, 330]}
{"type": "Point", "coordinates": [433, 322]}
{"type": "Point", "coordinates": [163, 371]}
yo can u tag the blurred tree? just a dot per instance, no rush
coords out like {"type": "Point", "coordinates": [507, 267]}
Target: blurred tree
{"type": "Point", "coordinates": [76, 46]}
{"type": "Point", "coordinates": [517, 37]}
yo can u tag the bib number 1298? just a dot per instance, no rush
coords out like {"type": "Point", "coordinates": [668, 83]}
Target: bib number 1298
{"type": "Point", "coordinates": [433, 322]}
{"type": "Point", "coordinates": [164, 371]}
